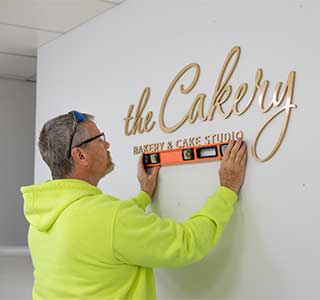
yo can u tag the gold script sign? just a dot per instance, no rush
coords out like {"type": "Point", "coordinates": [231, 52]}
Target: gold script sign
{"type": "Point", "coordinates": [282, 98]}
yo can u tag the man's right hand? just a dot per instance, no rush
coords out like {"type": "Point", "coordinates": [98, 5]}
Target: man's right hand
{"type": "Point", "coordinates": [148, 181]}
{"type": "Point", "coordinates": [233, 165]}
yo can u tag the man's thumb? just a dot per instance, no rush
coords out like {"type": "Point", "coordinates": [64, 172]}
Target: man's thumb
{"type": "Point", "coordinates": [155, 171]}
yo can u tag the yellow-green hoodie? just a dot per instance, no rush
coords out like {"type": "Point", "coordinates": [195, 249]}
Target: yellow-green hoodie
{"type": "Point", "coordinates": [86, 245]}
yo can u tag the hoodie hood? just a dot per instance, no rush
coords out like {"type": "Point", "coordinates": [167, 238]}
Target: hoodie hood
{"type": "Point", "coordinates": [43, 203]}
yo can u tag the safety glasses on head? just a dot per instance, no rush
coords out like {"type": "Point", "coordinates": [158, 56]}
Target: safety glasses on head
{"type": "Point", "coordinates": [77, 118]}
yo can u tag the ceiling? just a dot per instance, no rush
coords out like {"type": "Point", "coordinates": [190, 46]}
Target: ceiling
{"type": "Point", "coordinates": [25, 25]}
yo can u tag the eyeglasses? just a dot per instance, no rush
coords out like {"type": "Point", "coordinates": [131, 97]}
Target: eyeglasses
{"type": "Point", "coordinates": [101, 135]}
{"type": "Point", "coordinates": [78, 118]}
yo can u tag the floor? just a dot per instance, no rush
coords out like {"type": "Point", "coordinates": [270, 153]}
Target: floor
{"type": "Point", "coordinates": [16, 278]}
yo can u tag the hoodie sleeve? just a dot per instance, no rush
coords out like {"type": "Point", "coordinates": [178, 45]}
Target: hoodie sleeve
{"type": "Point", "coordinates": [142, 199]}
{"type": "Point", "coordinates": [151, 241]}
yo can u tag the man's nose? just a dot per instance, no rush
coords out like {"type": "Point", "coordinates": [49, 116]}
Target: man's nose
{"type": "Point", "coordinates": [107, 144]}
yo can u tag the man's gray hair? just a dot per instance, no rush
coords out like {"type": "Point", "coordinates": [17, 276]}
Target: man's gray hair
{"type": "Point", "coordinates": [54, 142]}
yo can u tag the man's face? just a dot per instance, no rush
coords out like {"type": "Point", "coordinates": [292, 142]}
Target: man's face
{"type": "Point", "coordinates": [99, 158]}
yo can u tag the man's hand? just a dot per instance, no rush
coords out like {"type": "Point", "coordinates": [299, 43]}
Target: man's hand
{"type": "Point", "coordinates": [148, 182]}
{"type": "Point", "coordinates": [233, 165]}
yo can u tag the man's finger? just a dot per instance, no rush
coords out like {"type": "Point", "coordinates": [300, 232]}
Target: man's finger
{"type": "Point", "coordinates": [226, 154]}
{"type": "Point", "coordinates": [155, 171]}
{"type": "Point", "coordinates": [244, 159]}
{"type": "Point", "coordinates": [242, 151]}
{"type": "Point", "coordinates": [235, 149]}
{"type": "Point", "coordinates": [140, 164]}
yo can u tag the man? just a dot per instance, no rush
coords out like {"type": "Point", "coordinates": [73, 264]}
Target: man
{"type": "Point", "coordinates": [88, 245]}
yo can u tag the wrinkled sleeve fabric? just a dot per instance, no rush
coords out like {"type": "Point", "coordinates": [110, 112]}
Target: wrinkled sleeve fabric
{"type": "Point", "coordinates": [142, 199]}
{"type": "Point", "coordinates": [150, 241]}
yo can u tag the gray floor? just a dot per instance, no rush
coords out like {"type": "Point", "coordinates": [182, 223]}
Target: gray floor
{"type": "Point", "coordinates": [16, 278]}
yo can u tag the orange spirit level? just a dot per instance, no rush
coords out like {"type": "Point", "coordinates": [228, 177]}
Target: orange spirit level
{"type": "Point", "coordinates": [185, 155]}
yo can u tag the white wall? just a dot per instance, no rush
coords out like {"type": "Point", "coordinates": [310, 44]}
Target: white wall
{"type": "Point", "coordinates": [17, 123]}
{"type": "Point", "coordinates": [270, 249]}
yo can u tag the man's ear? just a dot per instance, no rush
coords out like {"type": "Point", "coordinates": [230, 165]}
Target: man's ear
{"type": "Point", "coordinates": [79, 156]}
